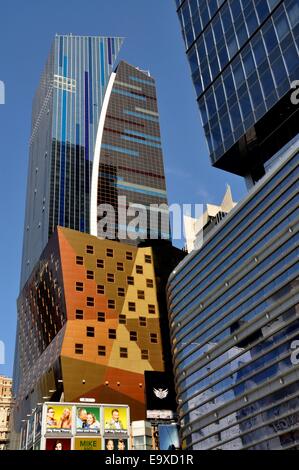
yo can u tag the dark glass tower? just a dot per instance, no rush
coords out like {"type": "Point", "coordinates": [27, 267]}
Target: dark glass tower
{"type": "Point", "coordinates": [243, 56]}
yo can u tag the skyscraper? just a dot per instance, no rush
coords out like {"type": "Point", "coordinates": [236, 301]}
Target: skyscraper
{"type": "Point", "coordinates": [243, 56]}
{"type": "Point", "coordinates": [65, 119]}
{"type": "Point", "coordinates": [233, 303]}
{"type": "Point", "coordinates": [92, 314]}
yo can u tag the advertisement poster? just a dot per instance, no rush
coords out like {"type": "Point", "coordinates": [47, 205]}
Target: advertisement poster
{"type": "Point", "coordinates": [30, 436]}
{"type": "Point", "coordinates": [116, 444]}
{"type": "Point", "coordinates": [116, 420]}
{"type": "Point", "coordinates": [87, 443]}
{"type": "Point", "coordinates": [168, 437]}
{"type": "Point", "coordinates": [88, 420]}
{"type": "Point", "coordinates": [58, 444]}
{"type": "Point", "coordinates": [23, 437]}
{"type": "Point", "coordinates": [38, 423]}
{"type": "Point", "coordinates": [59, 419]}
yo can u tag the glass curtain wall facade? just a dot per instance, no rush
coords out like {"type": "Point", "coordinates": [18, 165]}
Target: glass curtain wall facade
{"type": "Point", "coordinates": [131, 170]}
{"type": "Point", "coordinates": [243, 56]}
{"type": "Point", "coordinates": [65, 118]}
{"type": "Point", "coordinates": [233, 309]}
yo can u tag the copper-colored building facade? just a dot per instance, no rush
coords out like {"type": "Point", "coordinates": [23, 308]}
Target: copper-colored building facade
{"type": "Point", "coordinates": [93, 318]}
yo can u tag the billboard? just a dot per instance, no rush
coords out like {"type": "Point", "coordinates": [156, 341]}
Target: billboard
{"type": "Point", "coordinates": [160, 395]}
{"type": "Point", "coordinates": [74, 426]}
{"type": "Point", "coordinates": [116, 444]}
{"type": "Point", "coordinates": [88, 420]}
{"type": "Point", "coordinates": [88, 443]}
{"type": "Point", "coordinates": [116, 420]}
{"type": "Point", "coordinates": [58, 444]}
{"type": "Point", "coordinates": [59, 419]}
{"type": "Point", "coordinates": [169, 437]}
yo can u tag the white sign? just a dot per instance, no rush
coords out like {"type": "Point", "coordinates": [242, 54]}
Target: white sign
{"type": "Point", "coordinates": [87, 400]}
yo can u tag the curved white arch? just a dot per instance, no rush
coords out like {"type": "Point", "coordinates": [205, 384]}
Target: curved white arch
{"type": "Point", "coordinates": [96, 159]}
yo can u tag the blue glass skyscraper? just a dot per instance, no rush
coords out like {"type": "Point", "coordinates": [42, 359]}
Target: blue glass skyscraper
{"type": "Point", "coordinates": [243, 56]}
{"type": "Point", "coordinates": [65, 118]}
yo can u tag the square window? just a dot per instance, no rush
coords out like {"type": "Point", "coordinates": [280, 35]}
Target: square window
{"type": "Point", "coordinates": [79, 314]}
{"type": "Point", "coordinates": [111, 333]}
{"type": "Point", "coordinates": [133, 335]}
{"type": "Point", "coordinates": [89, 249]}
{"type": "Point", "coordinates": [123, 352]}
{"type": "Point", "coordinates": [89, 274]}
{"type": "Point", "coordinates": [151, 309]}
{"type": "Point", "coordinates": [79, 260]}
{"type": "Point", "coordinates": [129, 255]}
{"type": "Point", "coordinates": [101, 316]}
{"type": "Point", "coordinates": [78, 348]}
{"type": "Point", "coordinates": [147, 258]}
{"type": "Point", "coordinates": [122, 319]}
{"type": "Point", "coordinates": [132, 306]}
{"type": "Point", "coordinates": [79, 286]}
{"type": "Point", "coordinates": [139, 269]}
{"type": "Point", "coordinates": [120, 266]}
{"type": "Point", "coordinates": [90, 331]}
{"type": "Point", "coordinates": [154, 338]}
{"type": "Point", "coordinates": [110, 277]}
{"type": "Point", "coordinates": [149, 283]}
{"type": "Point", "coordinates": [142, 321]}
{"type": "Point", "coordinates": [101, 350]}
{"type": "Point", "coordinates": [90, 302]}
{"type": "Point", "coordinates": [140, 294]}
{"type": "Point", "coordinates": [130, 280]}
{"type": "Point", "coordinates": [100, 289]}
{"type": "Point", "coordinates": [111, 303]}
{"type": "Point", "coordinates": [144, 354]}
{"type": "Point", "coordinates": [109, 252]}
{"type": "Point", "coordinates": [100, 263]}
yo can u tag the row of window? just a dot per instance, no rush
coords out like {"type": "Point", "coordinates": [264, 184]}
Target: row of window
{"type": "Point", "coordinates": [111, 304]}
{"type": "Point", "coordinates": [120, 290]}
{"type": "Point", "coordinates": [110, 254]}
{"type": "Point", "coordinates": [101, 264]}
{"type": "Point", "coordinates": [123, 352]}
{"type": "Point", "coordinates": [111, 278]}
{"type": "Point", "coordinates": [90, 332]}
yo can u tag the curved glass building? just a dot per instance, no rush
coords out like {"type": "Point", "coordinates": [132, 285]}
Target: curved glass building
{"type": "Point", "coordinates": [234, 318]}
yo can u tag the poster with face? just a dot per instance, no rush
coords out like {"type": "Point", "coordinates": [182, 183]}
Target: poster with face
{"type": "Point", "coordinates": [116, 420]}
{"type": "Point", "coordinates": [88, 420]}
{"type": "Point", "coordinates": [116, 444]}
{"type": "Point", "coordinates": [59, 419]}
{"type": "Point", "coordinates": [58, 444]}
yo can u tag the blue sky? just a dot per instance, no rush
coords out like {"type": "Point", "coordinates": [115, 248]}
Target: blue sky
{"type": "Point", "coordinates": [153, 42]}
